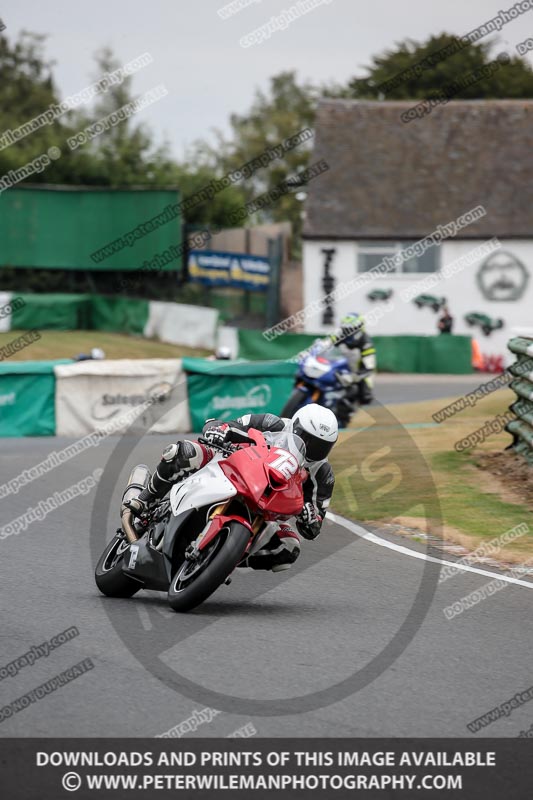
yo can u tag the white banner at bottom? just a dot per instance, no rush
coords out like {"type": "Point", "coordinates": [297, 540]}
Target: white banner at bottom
{"type": "Point", "coordinates": [139, 396]}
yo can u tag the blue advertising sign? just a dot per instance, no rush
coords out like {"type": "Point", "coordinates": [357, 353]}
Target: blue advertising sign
{"type": "Point", "coordinates": [237, 270]}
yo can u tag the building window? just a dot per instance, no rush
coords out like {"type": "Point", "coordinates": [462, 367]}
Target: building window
{"type": "Point", "coordinates": [370, 254]}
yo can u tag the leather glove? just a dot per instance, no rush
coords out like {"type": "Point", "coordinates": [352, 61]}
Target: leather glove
{"type": "Point", "coordinates": [217, 437]}
{"type": "Point", "coordinates": [309, 522]}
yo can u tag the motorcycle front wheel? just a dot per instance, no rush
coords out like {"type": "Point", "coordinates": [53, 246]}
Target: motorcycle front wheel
{"type": "Point", "coordinates": [196, 580]}
{"type": "Point", "coordinates": [108, 573]}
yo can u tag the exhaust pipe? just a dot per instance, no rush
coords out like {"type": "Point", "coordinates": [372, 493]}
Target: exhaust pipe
{"type": "Point", "coordinates": [138, 480]}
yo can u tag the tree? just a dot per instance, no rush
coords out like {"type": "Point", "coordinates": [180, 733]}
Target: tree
{"type": "Point", "coordinates": [288, 108]}
{"type": "Point", "coordinates": [26, 89]}
{"type": "Point", "coordinates": [513, 80]}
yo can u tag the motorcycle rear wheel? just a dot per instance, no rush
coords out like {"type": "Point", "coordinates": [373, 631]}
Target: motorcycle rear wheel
{"type": "Point", "coordinates": [108, 573]}
{"type": "Point", "coordinates": [195, 581]}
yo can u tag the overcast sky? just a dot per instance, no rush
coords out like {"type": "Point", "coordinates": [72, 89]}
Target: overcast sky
{"type": "Point", "coordinates": [197, 55]}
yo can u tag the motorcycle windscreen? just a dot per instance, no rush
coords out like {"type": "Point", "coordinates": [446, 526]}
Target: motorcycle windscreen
{"type": "Point", "coordinates": [289, 441]}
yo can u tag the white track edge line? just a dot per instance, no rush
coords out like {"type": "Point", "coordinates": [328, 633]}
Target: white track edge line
{"type": "Point", "coordinates": [372, 537]}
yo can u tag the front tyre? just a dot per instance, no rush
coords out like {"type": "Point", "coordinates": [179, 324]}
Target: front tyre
{"type": "Point", "coordinates": [195, 581]}
{"type": "Point", "coordinates": [108, 573]}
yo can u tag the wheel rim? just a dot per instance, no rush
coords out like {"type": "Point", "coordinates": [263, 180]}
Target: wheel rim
{"type": "Point", "coordinates": [116, 552]}
{"type": "Point", "coordinates": [190, 570]}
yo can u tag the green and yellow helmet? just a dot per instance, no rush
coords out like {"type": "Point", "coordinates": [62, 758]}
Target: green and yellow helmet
{"type": "Point", "coordinates": [352, 329]}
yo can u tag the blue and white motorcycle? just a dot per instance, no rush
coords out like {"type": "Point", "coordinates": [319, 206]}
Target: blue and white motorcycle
{"type": "Point", "coordinates": [323, 377]}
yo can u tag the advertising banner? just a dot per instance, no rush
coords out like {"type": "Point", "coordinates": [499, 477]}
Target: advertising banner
{"type": "Point", "coordinates": [237, 270]}
{"type": "Point", "coordinates": [147, 395]}
{"type": "Point", "coordinates": [27, 398]}
{"type": "Point", "coordinates": [226, 392]}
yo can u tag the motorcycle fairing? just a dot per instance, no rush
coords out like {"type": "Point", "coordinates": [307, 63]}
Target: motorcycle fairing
{"type": "Point", "coordinates": [206, 487]}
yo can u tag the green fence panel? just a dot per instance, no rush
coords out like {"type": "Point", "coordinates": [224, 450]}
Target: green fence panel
{"type": "Point", "coordinates": [397, 353]}
{"type": "Point", "coordinates": [445, 354]}
{"type": "Point", "coordinates": [431, 354]}
{"type": "Point", "coordinates": [61, 312]}
{"type": "Point", "coordinates": [253, 345]}
{"type": "Point", "coordinates": [244, 369]}
{"type": "Point", "coordinates": [61, 227]}
{"type": "Point", "coordinates": [27, 398]}
{"type": "Point", "coordinates": [118, 314]}
{"type": "Point", "coordinates": [232, 389]}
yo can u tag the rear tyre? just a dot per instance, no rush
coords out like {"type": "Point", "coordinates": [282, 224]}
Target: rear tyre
{"type": "Point", "coordinates": [195, 581]}
{"type": "Point", "coordinates": [295, 401]}
{"type": "Point", "coordinates": [108, 573]}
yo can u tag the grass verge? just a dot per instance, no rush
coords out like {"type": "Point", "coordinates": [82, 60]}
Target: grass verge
{"type": "Point", "coordinates": [66, 344]}
{"type": "Point", "coordinates": [395, 465]}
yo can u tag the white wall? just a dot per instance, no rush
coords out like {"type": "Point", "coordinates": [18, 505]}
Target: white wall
{"type": "Point", "coordinates": [399, 317]}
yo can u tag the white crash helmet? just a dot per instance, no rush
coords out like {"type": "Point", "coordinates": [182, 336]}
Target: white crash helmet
{"type": "Point", "coordinates": [223, 353]}
{"type": "Point", "coordinates": [317, 427]}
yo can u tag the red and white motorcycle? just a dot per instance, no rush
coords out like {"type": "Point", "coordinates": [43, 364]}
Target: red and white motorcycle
{"type": "Point", "coordinates": [191, 541]}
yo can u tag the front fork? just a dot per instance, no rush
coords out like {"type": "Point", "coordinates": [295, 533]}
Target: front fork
{"type": "Point", "coordinates": [218, 520]}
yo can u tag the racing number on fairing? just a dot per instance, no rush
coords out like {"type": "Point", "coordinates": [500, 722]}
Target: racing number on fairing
{"type": "Point", "coordinates": [285, 463]}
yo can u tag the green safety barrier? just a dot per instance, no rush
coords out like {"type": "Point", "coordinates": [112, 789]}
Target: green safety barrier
{"type": "Point", "coordinates": [118, 314]}
{"type": "Point", "coordinates": [27, 398]}
{"type": "Point", "coordinates": [444, 354]}
{"type": "Point", "coordinates": [226, 391]}
{"type": "Point", "coordinates": [422, 354]}
{"type": "Point", "coordinates": [60, 312]}
{"type": "Point", "coordinates": [254, 346]}
{"type": "Point", "coordinates": [70, 312]}
{"type": "Point", "coordinates": [521, 428]}
{"type": "Point", "coordinates": [61, 227]}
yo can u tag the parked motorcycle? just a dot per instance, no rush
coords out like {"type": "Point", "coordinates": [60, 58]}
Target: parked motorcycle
{"type": "Point", "coordinates": [191, 541]}
{"type": "Point", "coordinates": [322, 379]}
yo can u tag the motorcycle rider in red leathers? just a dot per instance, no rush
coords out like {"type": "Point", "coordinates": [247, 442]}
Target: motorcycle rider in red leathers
{"type": "Point", "coordinates": [314, 424]}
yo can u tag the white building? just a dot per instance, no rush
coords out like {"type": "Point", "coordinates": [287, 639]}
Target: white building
{"type": "Point", "coordinates": [390, 186]}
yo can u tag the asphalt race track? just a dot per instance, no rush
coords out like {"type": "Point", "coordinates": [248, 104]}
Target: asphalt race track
{"type": "Point", "coordinates": [352, 642]}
